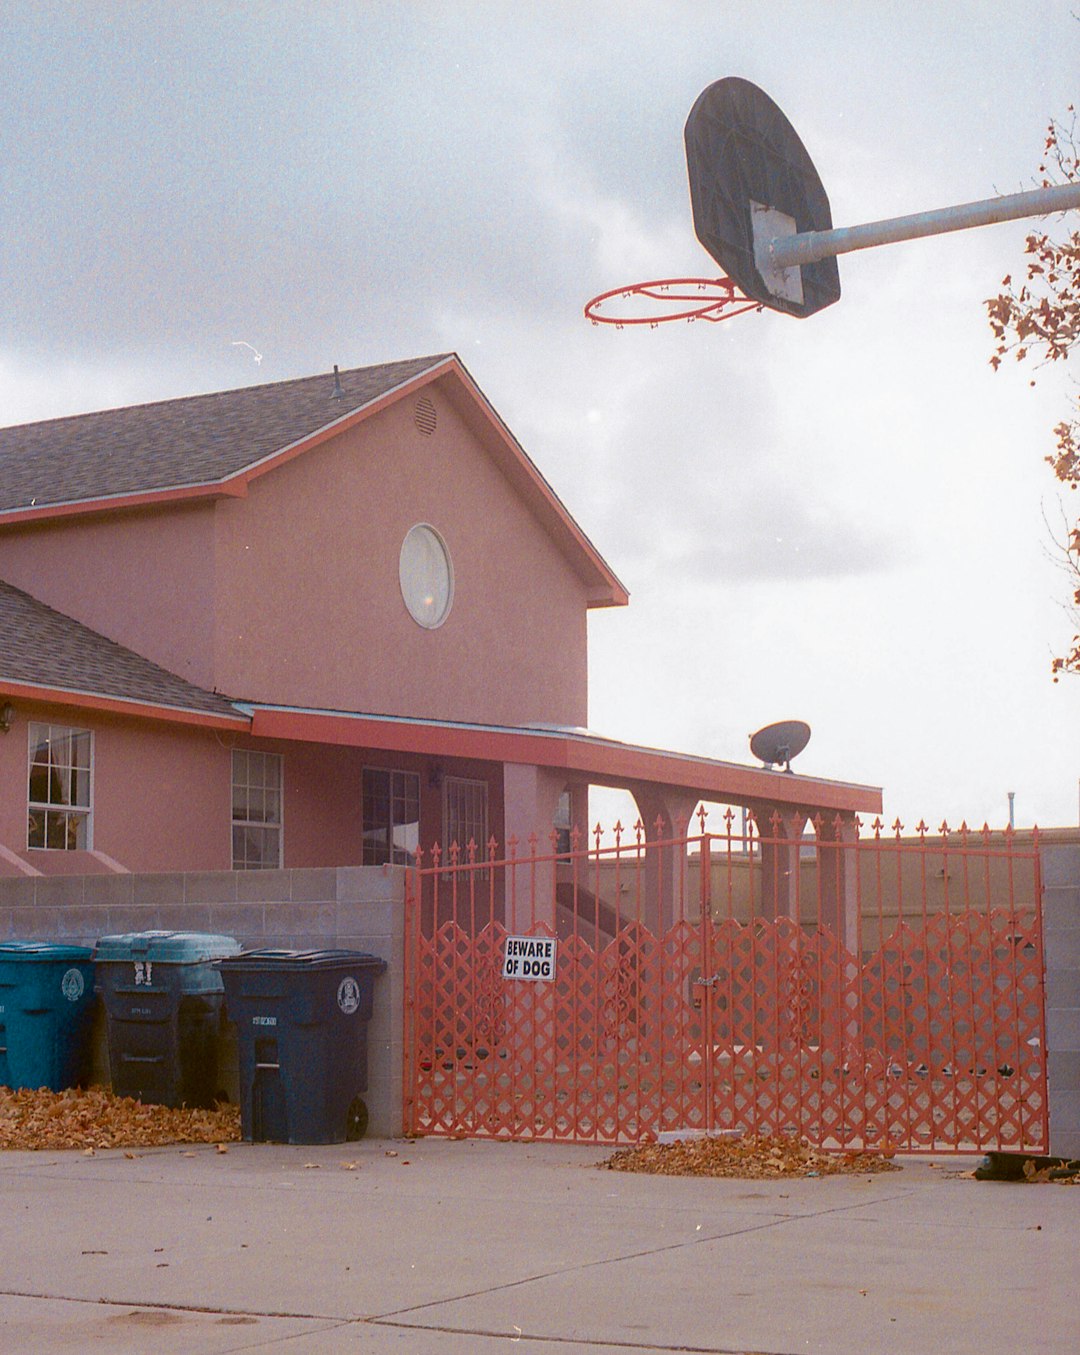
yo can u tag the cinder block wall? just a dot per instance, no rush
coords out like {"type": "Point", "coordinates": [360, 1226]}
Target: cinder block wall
{"type": "Point", "coordinates": [1061, 931]}
{"type": "Point", "coordinates": [355, 907]}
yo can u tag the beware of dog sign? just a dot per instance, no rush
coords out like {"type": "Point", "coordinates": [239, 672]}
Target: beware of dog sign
{"type": "Point", "coordinates": [529, 957]}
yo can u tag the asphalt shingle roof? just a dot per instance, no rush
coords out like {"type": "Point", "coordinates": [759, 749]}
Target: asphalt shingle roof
{"type": "Point", "coordinates": [197, 440]}
{"type": "Point", "coordinates": [44, 648]}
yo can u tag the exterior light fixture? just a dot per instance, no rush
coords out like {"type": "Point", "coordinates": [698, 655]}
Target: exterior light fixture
{"type": "Point", "coordinates": [7, 717]}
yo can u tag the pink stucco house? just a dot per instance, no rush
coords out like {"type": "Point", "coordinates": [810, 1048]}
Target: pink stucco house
{"type": "Point", "coordinates": [313, 623]}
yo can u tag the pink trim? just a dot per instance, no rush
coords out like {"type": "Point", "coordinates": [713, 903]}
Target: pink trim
{"type": "Point", "coordinates": [23, 867]}
{"type": "Point", "coordinates": [60, 696]}
{"type": "Point", "coordinates": [601, 762]}
{"type": "Point", "coordinates": [222, 489]}
{"type": "Point", "coordinates": [114, 867]}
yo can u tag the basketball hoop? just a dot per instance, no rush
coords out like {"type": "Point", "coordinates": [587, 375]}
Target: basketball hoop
{"type": "Point", "coordinates": [687, 299]}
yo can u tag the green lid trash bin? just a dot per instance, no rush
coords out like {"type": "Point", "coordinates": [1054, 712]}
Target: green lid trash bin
{"type": "Point", "coordinates": [46, 1007]}
{"type": "Point", "coordinates": [301, 1021]}
{"type": "Point", "coordinates": [163, 1009]}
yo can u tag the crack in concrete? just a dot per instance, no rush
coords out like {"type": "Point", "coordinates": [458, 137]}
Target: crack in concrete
{"type": "Point", "coordinates": [597, 1343]}
{"type": "Point", "coordinates": [634, 1256]}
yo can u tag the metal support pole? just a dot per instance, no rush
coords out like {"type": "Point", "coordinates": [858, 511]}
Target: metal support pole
{"type": "Point", "coordinates": [810, 246]}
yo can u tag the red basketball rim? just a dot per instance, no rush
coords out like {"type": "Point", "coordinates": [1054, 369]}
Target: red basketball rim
{"type": "Point", "coordinates": [712, 299]}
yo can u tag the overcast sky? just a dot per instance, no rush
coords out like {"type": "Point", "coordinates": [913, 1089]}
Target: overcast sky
{"type": "Point", "coordinates": [841, 519]}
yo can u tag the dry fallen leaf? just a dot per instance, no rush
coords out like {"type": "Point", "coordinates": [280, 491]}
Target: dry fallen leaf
{"type": "Point", "coordinates": [751, 1157]}
{"type": "Point", "coordinates": [94, 1118]}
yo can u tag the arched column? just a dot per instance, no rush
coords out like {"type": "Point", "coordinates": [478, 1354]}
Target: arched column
{"type": "Point", "coordinates": [666, 814]}
{"type": "Point", "coordinates": [779, 830]}
{"type": "Point", "coordinates": [838, 877]}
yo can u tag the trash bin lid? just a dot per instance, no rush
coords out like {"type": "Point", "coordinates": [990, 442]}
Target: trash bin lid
{"type": "Point", "coordinates": [269, 957]}
{"type": "Point", "coordinates": [165, 947]}
{"type": "Point", "coordinates": [42, 950]}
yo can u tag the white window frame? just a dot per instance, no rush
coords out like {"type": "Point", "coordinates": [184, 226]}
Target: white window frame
{"type": "Point", "coordinates": [40, 731]}
{"type": "Point", "coordinates": [249, 823]}
{"type": "Point", "coordinates": [397, 854]}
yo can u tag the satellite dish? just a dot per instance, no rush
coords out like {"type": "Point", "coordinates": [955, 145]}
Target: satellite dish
{"type": "Point", "coordinates": [780, 742]}
{"type": "Point", "coordinates": [745, 161]}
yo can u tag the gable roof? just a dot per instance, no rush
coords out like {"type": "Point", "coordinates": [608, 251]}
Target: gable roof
{"type": "Point", "coordinates": [50, 656]}
{"type": "Point", "coordinates": [199, 440]}
{"type": "Point", "coordinates": [208, 446]}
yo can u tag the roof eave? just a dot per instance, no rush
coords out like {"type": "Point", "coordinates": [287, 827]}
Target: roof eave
{"type": "Point", "coordinates": [603, 761]}
{"type": "Point", "coordinates": [83, 699]}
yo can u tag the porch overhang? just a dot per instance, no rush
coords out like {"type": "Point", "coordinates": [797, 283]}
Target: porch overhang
{"type": "Point", "coordinates": [582, 754]}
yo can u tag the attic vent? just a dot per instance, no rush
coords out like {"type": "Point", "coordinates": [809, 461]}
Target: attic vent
{"type": "Point", "coordinates": [425, 416]}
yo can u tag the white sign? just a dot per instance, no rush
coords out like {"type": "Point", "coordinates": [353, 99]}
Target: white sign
{"type": "Point", "coordinates": [529, 957]}
{"type": "Point", "coordinates": [348, 995]}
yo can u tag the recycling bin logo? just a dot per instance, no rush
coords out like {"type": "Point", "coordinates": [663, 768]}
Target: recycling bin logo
{"type": "Point", "coordinates": [72, 985]}
{"type": "Point", "coordinates": [348, 995]}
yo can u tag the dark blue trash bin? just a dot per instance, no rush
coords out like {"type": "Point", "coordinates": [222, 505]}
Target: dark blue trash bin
{"type": "Point", "coordinates": [301, 1019]}
{"type": "Point", "coordinates": [163, 1008]}
{"type": "Point", "coordinates": [46, 1006]}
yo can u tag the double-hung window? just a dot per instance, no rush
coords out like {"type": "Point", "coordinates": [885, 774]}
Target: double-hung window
{"type": "Point", "coordinates": [256, 810]}
{"type": "Point", "coordinates": [391, 815]}
{"type": "Point", "coordinates": [60, 784]}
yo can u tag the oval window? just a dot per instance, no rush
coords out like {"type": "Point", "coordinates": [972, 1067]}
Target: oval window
{"type": "Point", "coordinates": [427, 576]}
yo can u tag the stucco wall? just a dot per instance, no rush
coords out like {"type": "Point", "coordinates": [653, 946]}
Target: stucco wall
{"type": "Point", "coordinates": [355, 908]}
{"type": "Point", "coordinates": [309, 607]}
{"type": "Point", "coordinates": [291, 595]}
{"type": "Point", "coordinates": [146, 580]}
{"type": "Point", "coordinates": [161, 795]}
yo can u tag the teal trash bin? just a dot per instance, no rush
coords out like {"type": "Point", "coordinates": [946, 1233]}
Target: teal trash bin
{"type": "Point", "coordinates": [163, 1010]}
{"type": "Point", "coordinates": [301, 1020]}
{"type": "Point", "coordinates": [46, 1009]}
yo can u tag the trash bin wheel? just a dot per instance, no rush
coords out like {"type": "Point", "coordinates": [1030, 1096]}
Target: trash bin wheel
{"type": "Point", "coordinates": [357, 1122]}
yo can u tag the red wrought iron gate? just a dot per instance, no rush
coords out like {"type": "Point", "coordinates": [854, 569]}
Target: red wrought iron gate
{"type": "Point", "coordinates": [859, 992]}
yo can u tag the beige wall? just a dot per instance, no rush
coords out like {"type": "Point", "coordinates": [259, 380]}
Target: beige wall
{"type": "Point", "coordinates": [892, 882]}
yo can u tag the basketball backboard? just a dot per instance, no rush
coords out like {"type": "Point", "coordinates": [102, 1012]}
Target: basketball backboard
{"type": "Point", "coordinates": [745, 160]}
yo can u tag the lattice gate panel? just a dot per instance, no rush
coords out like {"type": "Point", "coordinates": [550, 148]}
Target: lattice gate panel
{"type": "Point", "coordinates": [934, 1040]}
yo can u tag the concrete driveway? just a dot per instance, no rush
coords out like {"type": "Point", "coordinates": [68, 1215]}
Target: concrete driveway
{"type": "Point", "coordinates": [464, 1248]}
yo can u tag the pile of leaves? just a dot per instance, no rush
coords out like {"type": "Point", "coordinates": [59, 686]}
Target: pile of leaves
{"type": "Point", "coordinates": [95, 1118]}
{"type": "Point", "coordinates": [751, 1157]}
{"type": "Point", "coordinates": [1056, 1172]}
